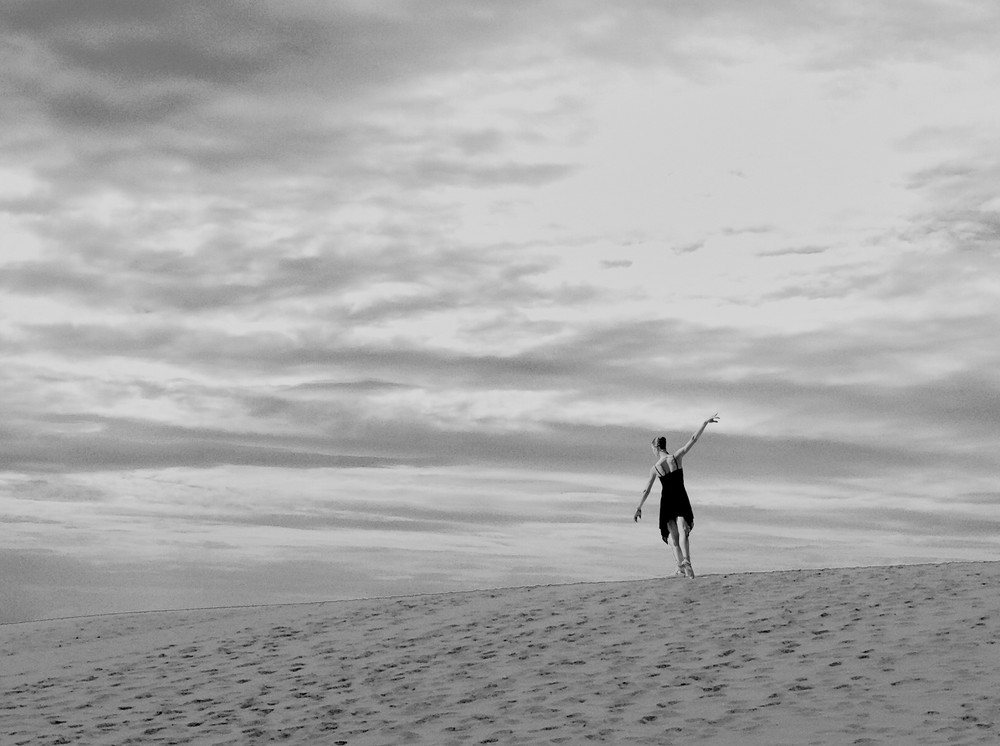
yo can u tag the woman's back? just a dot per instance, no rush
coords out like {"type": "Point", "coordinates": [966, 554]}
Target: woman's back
{"type": "Point", "coordinates": [669, 463]}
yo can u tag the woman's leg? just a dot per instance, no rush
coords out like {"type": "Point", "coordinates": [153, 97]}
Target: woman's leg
{"type": "Point", "coordinates": [683, 531]}
{"type": "Point", "coordinates": [674, 541]}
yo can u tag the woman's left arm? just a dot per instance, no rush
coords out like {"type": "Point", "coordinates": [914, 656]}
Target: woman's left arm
{"type": "Point", "coordinates": [645, 494]}
{"type": "Point", "coordinates": [694, 438]}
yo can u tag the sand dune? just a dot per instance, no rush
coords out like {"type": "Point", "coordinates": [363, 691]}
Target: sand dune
{"type": "Point", "coordinates": [901, 655]}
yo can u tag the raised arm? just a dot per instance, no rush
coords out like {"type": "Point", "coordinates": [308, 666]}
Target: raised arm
{"type": "Point", "coordinates": [694, 438]}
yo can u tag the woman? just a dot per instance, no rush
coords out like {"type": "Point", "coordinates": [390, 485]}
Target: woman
{"type": "Point", "coordinates": [676, 516]}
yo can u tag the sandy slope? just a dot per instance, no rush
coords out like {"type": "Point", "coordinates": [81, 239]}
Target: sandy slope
{"type": "Point", "coordinates": [902, 655]}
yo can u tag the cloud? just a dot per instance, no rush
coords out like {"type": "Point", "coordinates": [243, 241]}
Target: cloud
{"type": "Point", "coordinates": [157, 58]}
{"type": "Point", "coordinates": [173, 132]}
{"type": "Point", "coordinates": [818, 384]}
{"type": "Point", "coordinates": [118, 64]}
{"type": "Point", "coordinates": [360, 387]}
{"type": "Point", "coordinates": [51, 278]}
{"type": "Point", "coordinates": [797, 251]}
{"type": "Point", "coordinates": [45, 490]}
{"type": "Point", "coordinates": [913, 525]}
{"type": "Point", "coordinates": [344, 515]}
{"type": "Point", "coordinates": [752, 229]}
{"type": "Point", "coordinates": [355, 286]}
{"type": "Point", "coordinates": [121, 65]}
{"type": "Point", "coordinates": [979, 498]}
{"type": "Point", "coordinates": [122, 444]}
{"type": "Point", "coordinates": [354, 440]}
{"type": "Point", "coordinates": [28, 582]}
{"type": "Point", "coordinates": [461, 173]}
{"type": "Point", "coordinates": [372, 245]}
{"type": "Point", "coordinates": [26, 519]}
{"type": "Point", "coordinates": [689, 248]}
{"type": "Point", "coordinates": [927, 31]}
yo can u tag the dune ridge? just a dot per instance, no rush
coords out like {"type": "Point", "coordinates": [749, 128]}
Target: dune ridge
{"type": "Point", "coordinates": [902, 654]}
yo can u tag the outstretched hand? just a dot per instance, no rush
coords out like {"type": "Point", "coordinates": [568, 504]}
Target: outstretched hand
{"type": "Point", "coordinates": [638, 515]}
{"type": "Point", "coordinates": [713, 418]}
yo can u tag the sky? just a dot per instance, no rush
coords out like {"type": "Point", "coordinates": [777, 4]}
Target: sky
{"type": "Point", "coordinates": [310, 300]}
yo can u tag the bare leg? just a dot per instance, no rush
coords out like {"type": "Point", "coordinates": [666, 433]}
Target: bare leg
{"type": "Point", "coordinates": [685, 543]}
{"type": "Point", "coordinates": [674, 543]}
{"type": "Point", "coordinates": [683, 530]}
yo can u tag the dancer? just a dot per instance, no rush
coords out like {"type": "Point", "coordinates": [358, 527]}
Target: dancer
{"type": "Point", "coordinates": [676, 516]}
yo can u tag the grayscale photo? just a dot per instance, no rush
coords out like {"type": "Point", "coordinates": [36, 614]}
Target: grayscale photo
{"type": "Point", "coordinates": [518, 372]}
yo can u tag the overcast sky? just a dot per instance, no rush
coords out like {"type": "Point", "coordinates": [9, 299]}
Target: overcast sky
{"type": "Point", "coordinates": [304, 300]}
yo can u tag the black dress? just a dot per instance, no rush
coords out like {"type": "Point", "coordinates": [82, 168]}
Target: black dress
{"type": "Point", "coordinates": [674, 501]}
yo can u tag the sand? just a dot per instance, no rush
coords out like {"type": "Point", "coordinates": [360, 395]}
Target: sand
{"type": "Point", "coordinates": [896, 655]}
